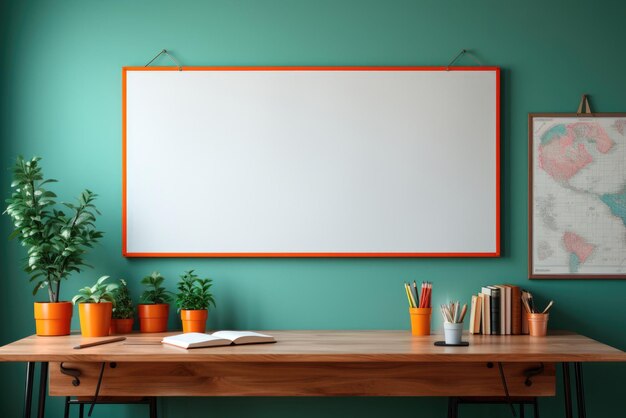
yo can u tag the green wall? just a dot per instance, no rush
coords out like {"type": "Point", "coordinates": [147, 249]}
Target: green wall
{"type": "Point", "coordinates": [61, 99]}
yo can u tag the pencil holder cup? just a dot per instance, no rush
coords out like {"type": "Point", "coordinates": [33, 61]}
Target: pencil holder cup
{"type": "Point", "coordinates": [420, 320]}
{"type": "Point", "coordinates": [537, 324]}
{"type": "Point", "coordinates": [452, 332]}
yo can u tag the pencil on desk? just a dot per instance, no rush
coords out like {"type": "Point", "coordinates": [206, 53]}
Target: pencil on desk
{"type": "Point", "coordinates": [101, 342]}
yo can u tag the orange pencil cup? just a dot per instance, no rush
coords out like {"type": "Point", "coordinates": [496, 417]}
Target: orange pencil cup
{"type": "Point", "coordinates": [537, 324]}
{"type": "Point", "coordinates": [420, 320]}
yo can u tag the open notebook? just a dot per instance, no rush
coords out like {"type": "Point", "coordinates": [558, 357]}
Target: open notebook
{"type": "Point", "coordinates": [220, 338]}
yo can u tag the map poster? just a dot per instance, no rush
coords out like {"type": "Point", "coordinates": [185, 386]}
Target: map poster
{"type": "Point", "coordinates": [577, 196]}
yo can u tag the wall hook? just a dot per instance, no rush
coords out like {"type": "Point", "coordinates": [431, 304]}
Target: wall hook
{"type": "Point", "coordinates": [164, 51]}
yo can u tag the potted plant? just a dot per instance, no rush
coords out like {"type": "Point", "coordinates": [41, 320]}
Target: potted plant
{"type": "Point", "coordinates": [155, 309]}
{"type": "Point", "coordinates": [193, 300]}
{"type": "Point", "coordinates": [55, 240]}
{"type": "Point", "coordinates": [123, 310]}
{"type": "Point", "coordinates": [95, 306]}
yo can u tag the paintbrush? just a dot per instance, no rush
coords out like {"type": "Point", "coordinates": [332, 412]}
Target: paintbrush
{"type": "Point", "coordinates": [531, 302]}
{"type": "Point", "coordinates": [548, 307]}
{"type": "Point", "coordinates": [525, 301]}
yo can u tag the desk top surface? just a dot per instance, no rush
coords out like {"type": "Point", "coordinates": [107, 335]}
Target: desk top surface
{"type": "Point", "coordinates": [322, 346]}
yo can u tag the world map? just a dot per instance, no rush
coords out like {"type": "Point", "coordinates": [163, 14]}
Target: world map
{"type": "Point", "coordinates": [579, 196]}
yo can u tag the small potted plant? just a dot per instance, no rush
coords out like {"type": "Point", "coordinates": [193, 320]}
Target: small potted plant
{"type": "Point", "coordinates": [154, 309]}
{"type": "Point", "coordinates": [55, 240]}
{"type": "Point", "coordinates": [95, 306]}
{"type": "Point", "coordinates": [193, 300]}
{"type": "Point", "coordinates": [123, 310]}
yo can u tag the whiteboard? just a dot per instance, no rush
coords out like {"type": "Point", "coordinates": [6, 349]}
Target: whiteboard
{"type": "Point", "coordinates": [311, 162]}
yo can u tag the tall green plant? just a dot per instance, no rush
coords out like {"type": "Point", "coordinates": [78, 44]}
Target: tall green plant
{"type": "Point", "coordinates": [194, 292]}
{"type": "Point", "coordinates": [55, 242]}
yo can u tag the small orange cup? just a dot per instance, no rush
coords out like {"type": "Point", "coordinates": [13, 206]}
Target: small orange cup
{"type": "Point", "coordinates": [420, 320]}
{"type": "Point", "coordinates": [537, 324]}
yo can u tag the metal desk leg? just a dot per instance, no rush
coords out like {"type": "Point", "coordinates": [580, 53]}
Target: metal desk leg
{"type": "Point", "coordinates": [153, 407]}
{"type": "Point", "coordinates": [453, 407]}
{"type": "Point", "coordinates": [28, 392]}
{"type": "Point", "coordinates": [567, 390]}
{"type": "Point", "coordinates": [43, 382]}
{"type": "Point", "coordinates": [580, 394]}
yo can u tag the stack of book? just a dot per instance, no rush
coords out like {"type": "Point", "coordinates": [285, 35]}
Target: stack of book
{"type": "Point", "coordinates": [497, 310]}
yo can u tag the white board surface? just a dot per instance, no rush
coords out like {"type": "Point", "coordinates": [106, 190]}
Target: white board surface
{"type": "Point", "coordinates": [332, 162]}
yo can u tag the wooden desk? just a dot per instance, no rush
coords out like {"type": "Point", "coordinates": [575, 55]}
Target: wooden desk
{"type": "Point", "coordinates": [313, 363]}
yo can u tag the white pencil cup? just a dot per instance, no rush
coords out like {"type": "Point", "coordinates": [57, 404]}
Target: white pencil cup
{"type": "Point", "coordinates": [452, 332]}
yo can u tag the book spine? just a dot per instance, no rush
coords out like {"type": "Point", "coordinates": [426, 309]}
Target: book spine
{"type": "Point", "coordinates": [516, 310]}
{"type": "Point", "coordinates": [495, 312]}
{"type": "Point", "coordinates": [472, 315]}
{"type": "Point", "coordinates": [486, 325]}
{"type": "Point", "coordinates": [502, 310]}
{"type": "Point", "coordinates": [508, 309]}
{"type": "Point", "coordinates": [479, 313]}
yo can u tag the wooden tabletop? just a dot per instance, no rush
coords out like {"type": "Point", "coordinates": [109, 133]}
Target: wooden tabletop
{"type": "Point", "coordinates": [322, 346]}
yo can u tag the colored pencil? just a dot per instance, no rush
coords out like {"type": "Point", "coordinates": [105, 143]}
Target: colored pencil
{"type": "Point", "coordinates": [111, 340]}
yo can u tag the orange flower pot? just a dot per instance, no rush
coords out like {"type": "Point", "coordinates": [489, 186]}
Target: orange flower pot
{"type": "Point", "coordinates": [121, 326]}
{"type": "Point", "coordinates": [153, 317]}
{"type": "Point", "coordinates": [95, 318]}
{"type": "Point", "coordinates": [53, 318]}
{"type": "Point", "coordinates": [420, 320]}
{"type": "Point", "coordinates": [194, 320]}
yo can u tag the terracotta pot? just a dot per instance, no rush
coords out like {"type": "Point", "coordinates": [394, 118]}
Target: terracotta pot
{"type": "Point", "coordinates": [121, 326]}
{"type": "Point", "coordinates": [153, 317]}
{"type": "Point", "coordinates": [194, 320]}
{"type": "Point", "coordinates": [95, 318]}
{"type": "Point", "coordinates": [53, 318]}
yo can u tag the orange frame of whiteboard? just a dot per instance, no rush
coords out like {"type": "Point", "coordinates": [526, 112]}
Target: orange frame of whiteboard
{"type": "Point", "coordinates": [496, 253]}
